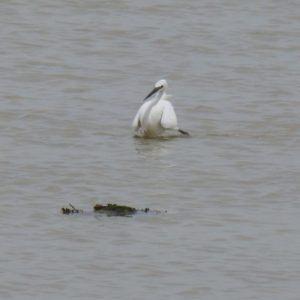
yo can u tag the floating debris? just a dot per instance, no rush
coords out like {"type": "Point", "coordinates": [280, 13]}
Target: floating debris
{"type": "Point", "coordinates": [111, 210]}
{"type": "Point", "coordinates": [70, 211]}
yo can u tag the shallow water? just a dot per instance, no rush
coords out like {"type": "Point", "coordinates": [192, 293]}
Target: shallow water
{"type": "Point", "coordinates": [72, 76]}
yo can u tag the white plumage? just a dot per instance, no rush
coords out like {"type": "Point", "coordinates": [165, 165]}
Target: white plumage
{"type": "Point", "coordinates": [156, 115]}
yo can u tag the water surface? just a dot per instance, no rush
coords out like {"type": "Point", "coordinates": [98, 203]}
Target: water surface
{"type": "Point", "coordinates": [72, 76]}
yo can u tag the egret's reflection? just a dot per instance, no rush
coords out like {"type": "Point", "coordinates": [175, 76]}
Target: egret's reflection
{"type": "Point", "coordinates": [155, 150]}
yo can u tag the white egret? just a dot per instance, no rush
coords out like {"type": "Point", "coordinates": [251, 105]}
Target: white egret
{"type": "Point", "coordinates": [156, 116]}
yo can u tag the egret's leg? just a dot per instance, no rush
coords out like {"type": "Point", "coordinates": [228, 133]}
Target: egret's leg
{"type": "Point", "coordinates": [183, 132]}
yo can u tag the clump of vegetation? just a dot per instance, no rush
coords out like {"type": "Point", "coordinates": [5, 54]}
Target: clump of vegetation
{"type": "Point", "coordinates": [115, 209]}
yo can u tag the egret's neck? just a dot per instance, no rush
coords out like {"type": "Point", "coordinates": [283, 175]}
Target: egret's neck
{"type": "Point", "coordinates": [151, 104]}
{"type": "Point", "coordinates": [159, 96]}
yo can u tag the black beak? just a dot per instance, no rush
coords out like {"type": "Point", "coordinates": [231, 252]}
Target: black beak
{"type": "Point", "coordinates": [153, 92]}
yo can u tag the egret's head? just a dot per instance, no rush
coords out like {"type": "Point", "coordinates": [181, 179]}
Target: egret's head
{"type": "Point", "coordinates": [159, 85]}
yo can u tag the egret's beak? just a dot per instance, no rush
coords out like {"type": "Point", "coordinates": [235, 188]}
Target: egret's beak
{"type": "Point", "coordinates": [153, 92]}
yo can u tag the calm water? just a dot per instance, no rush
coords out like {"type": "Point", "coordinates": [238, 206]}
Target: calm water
{"type": "Point", "coordinates": [72, 76]}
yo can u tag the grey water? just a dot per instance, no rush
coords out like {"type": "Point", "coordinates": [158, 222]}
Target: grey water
{"type": "Point", "coordinates": [72, 76]}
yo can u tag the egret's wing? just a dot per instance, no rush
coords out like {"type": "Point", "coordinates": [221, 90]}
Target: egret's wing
{"type": "Point", "coordinates": [168, 119]}
{"type": "Point", "coordinates": [136, 124]}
